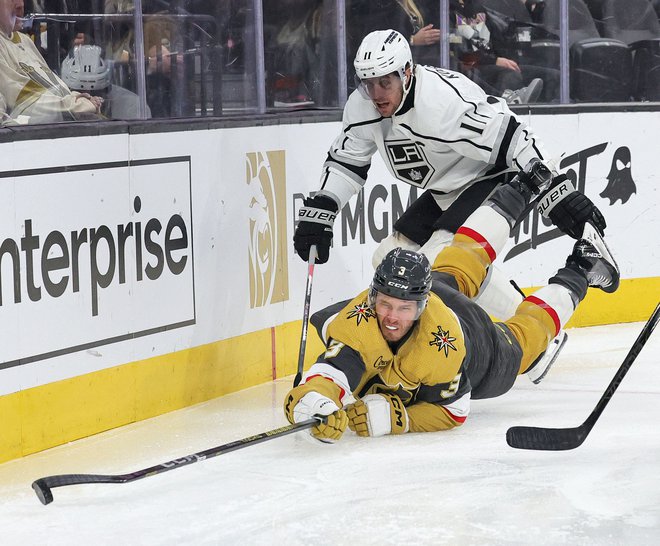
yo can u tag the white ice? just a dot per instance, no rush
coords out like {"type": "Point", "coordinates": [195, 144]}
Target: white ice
{"type": "Point", "coordinates": [461, 487]}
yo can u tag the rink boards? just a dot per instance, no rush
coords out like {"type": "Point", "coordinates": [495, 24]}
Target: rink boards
{"type": "Point", "coordinates": [145, 271]}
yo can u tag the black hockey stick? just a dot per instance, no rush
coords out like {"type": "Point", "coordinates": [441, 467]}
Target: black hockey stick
{"type": "Point", "coordinates": [305, 320]}
{"type": "Point", "coordinates": [43, 486]}
{"type": "Point", "coordinates": [558, 439]}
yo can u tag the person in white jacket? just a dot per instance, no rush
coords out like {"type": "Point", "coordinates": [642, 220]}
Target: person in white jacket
{"type": "Point", "coordinates": [32, 92]}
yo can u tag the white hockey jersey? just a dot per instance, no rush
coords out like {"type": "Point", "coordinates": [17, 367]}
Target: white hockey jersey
{"type": "Point", "coordinates": [446, 135]}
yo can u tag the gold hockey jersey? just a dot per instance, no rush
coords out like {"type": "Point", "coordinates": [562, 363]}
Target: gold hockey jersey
{"type": "Point", "coordinates": [425, 369]}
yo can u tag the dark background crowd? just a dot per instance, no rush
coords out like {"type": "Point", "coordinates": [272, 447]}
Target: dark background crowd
{"type": "Point", "coordinates": [209, 57]}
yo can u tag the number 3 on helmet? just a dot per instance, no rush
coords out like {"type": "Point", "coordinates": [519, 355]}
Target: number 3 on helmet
{"type": "Point", "coordinates": [405, 275]}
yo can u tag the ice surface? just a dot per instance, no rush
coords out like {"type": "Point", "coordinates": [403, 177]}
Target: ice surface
{"type": "Point", "coordinates": [460, 487]}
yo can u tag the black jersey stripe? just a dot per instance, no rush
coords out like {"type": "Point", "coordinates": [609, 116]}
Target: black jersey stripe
{"type": "Point", "coordinates": [505, 143]}
{"type": "Point", "coordinates": [471, 128]}
{"type": "Point", "coordinates": [348, 362]}
{"type": "Point", "coordinates": [324, 178]}
{"type": "Point", "coordinates": [322, 316]}
{"type": "Point", "coordinates": [475, 120]}
{"type": "Point", "coordinates": [361, 123]}
{"type": "Point", "coordinates": [342, 145]}
{"type": "Point", "coordinates": [438, 139]}
{"type": "Point", "coordinates": [533, 141]}
{"type": "Point", "coordinates": [360, 172]}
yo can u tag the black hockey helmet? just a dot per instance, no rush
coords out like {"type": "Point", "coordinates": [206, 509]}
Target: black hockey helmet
{"type": "Point", "coordinates": [403, 274]}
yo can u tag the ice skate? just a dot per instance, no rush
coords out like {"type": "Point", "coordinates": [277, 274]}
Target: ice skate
{"type": "Point", "coordinates": [594, 258]}
{"type": "Point", "coordinates": [541, 366]}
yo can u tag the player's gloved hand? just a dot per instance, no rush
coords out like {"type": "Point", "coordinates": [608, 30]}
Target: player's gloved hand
{"type": "Point", "coordinates": [569, 209]}
{"type": "Point", "coordinates": [304, 402]}
{"type": "Point", "coordinates": [316, 217]}
{"type": "Point", "coordinates": [377, 415]}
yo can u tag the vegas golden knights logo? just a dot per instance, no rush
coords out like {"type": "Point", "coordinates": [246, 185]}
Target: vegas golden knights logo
{"type": "Point", "coordinates": [266, 180]}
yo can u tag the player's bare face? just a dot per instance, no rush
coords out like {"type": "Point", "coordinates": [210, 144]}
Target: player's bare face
{"type": "Point", "coordinates": [395, 316]}
{"type": "Point", "coordinates": [386, 92]}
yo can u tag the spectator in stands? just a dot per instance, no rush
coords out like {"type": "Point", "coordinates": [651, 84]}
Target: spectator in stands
{"type": "Point", "coordinates": [292, 42]}
{"type": "Point", "coordinates": [32, 92]}
{"type": "Point", "coordinates": [72, 30]}
{"type": "Point", "coordinates": [85, 70]}
{"type": "Point", "coordinates": [483, 35]}
{"type": "Point", "coordinates": [159, 33]}
{"type": "Point", "coordinates": [535, 9]}
{"type": "Point", "coordinates": [411, 19]}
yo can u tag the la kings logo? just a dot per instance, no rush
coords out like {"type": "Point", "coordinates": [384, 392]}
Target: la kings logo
{"type": "Point", "coordinates": [409, 162]}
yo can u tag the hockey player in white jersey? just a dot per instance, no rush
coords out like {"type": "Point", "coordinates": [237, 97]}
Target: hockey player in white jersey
{"type": "Point", "coordinates": [437, 130]}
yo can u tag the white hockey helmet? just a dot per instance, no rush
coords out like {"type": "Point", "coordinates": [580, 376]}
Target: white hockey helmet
{"type": "Point", "coordinates": [383, 52]}
{"type": "Point", "coordinates": [84, 69]}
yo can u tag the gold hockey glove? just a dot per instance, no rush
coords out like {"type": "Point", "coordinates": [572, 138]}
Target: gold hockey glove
{"type": "Point", "coordinates": [377, 415]}
{"type": "Point", "coordinates": [318, 396]}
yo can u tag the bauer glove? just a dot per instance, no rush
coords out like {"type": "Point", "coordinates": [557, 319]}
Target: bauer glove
{"type": "Point", "coordinates": [315, 220]}
{"type": "Point", "coordinates": [377, 415]}
{"type": "Point", "coordinates": [314, 398]}
{"type": "Point", "coordinates": [570, 209]}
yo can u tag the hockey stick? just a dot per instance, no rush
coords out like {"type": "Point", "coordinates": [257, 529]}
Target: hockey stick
{"type": "Point", "coordinates": [558, 439]}
{"type": "Point", "coordinates": [305, 320]}
{"type": "Point", "coordinates": [43, 486]}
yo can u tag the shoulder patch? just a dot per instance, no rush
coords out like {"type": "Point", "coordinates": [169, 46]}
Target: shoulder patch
{"type": "Point", "coordinates": [443, 341]}
{"type": "Point", "coordinates": [361, 312]}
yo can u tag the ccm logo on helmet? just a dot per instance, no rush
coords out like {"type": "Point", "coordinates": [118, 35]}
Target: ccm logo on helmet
{"type": "Point", "coordinates": [398, 285]}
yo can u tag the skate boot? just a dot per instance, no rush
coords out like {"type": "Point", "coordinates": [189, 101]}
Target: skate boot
{"type": "Point", "coordinates": [541, 366]}
{"type": "Point", "coordinates": [592, 256]}
{"type": "Point", "coordinates": [590, 264]}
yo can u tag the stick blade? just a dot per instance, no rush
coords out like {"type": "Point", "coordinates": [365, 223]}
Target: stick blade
{"type": "Point", "coordinates": [545, 439]}
{"type": "Point", "coordinates": [43, 491]}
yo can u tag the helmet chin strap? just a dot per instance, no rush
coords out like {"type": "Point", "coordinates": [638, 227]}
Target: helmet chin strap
{"type": "Point", "coordinates": [406, 89]}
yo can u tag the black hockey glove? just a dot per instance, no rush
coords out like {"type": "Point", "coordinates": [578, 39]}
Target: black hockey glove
{"type": "Point", "coordinates": [569, 209]}
{"type": "Point", "coordinates": [316, 217]}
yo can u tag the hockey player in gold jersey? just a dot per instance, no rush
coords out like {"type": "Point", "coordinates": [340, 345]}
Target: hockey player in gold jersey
{"type": "Point", "coordinates": [408, 354]}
